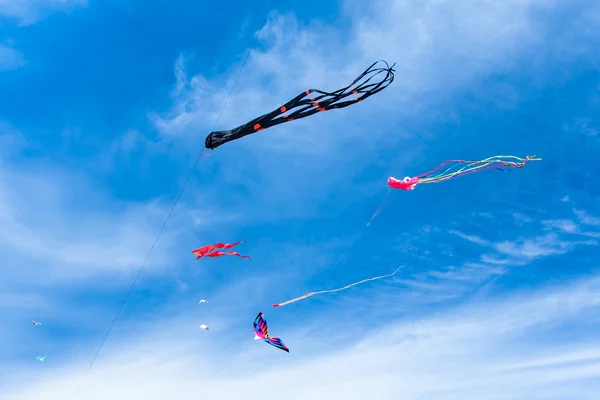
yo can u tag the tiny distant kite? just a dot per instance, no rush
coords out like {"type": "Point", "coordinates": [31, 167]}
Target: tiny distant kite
{"type": "Point", "coordinates": [202, 301]}
{"type": "Point", "coordinates": [34, 323]}
{"type": "Point", "coordinates": [285, 303]}
{"type": "Point", "coordinates": [300, 107]}
{"type": "Point", "coordinates": [40, 358]}
{"type": "Point", "coordinates": [206, 250]}
{"type": "Point", "coordinates": [204, 327]}
{"type": "Point", "coordinates": [454, 168]}
{"type": "Point", "coordinates": [261, 331]}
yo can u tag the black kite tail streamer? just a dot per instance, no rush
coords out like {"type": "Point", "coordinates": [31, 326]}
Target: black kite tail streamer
{"type": "Point", "coordinates": [301, 106]}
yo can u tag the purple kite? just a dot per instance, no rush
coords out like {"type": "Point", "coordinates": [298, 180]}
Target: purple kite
{"type": "Point", "coordinates": [261, 331]}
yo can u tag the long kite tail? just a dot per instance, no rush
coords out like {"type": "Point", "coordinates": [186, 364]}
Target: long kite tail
{"type": "Point", "coordinates": [467, 167]}
{"type": "Point", "coordinates": [224, 253]}
{"type": "Point", "coordinates": [309, 102]}
{"type": "Point", "coordinates": [285, 303]}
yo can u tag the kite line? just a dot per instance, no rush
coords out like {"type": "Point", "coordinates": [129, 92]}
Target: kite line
{"type": "Point", "coordinates": [174, 204]}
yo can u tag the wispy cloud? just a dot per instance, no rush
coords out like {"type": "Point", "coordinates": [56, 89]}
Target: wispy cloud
{"type": "Point", "coordinates": [532, 248]}
{"type": "Point", "coordinates": [489, 350]}
{"type": "Point", "coordinates": [571, 227]}
{"type": "Point", "coordinates": [454, 270]}
{"type": "Point", "coordinates": [419, 37]}
{"type": "Point", "coordinates": [11, 140]}
{"type": "Point", "coordinates": [10, 58]}
{"type": "Point", "coordinates": [30, 11]}
{"type": "Point", "coordinates": [62, 223]}
{"type": "Point", "coordinates": [470, 238]}
{"type": "Point", "coordinates": [516, 252]}
{"type": "Point", "coordinates": [586, 126]}
{"type": "Point", "coordinates": [587, 219]}
{"type": "Point", "coordinates": [60, 227]}
{"type": "Point", "coordinates": [433, 55]}
{"type": "Point", "coordinates": [527, 249]}
{"type": "Point", "coordinates": [565, 225]}
{"type": "Point", "coordinates": [522, 218]}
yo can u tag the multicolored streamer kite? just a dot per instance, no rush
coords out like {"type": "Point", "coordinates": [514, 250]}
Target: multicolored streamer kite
{"type": "Point", "coordinates": [285, 303]}
{"type": "Point", "coordinates": [261, 331]}
{"type": "Point", "coordinates": [300, 107]}
{"type": "Point", "coordinates": [455, 168]}
{"type": "Point", "coordinates": [206, 250]}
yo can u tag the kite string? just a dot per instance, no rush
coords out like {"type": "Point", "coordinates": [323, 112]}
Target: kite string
{"type": "Point", "coordinates": [174, 205]}
{"type": "Point", "coordinates": [139, 273]}
{"type": "Point", "coordinates": [382, 205]}
{"type": "Point", "coordinates": [353, 242]}
{"type": "Point", "coordinates": [244, 64]}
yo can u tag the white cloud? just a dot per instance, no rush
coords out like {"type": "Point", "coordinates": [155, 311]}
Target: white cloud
{"type": "Point", "coordinates": [489, 350]}
{"type": "Point", "coordinates": [586, 126]}
{"type": "Point", "coordinates": [29, 11]}
{"type": "Point", "coordinates": [131, 140]}
{"type": "Point", "coordinates": [573, 228]}
{"type": "Point", "coordinates": [522, 250]}
{"type": "Point", "coordinates": [515, 252]}
{"type": "Point", "coordinates": [11, 140]}
{"type": "Point", "coordinates": [470, 238]}
{"type": "Point", "coordinates": [10, 58]}
{"type": "Point", "coordinates": [436, 56]}
{"type": "Point", "coordinates": [587, 219]}
{"type": "Point", "coordinates": [21, 300]}
{"type": "Point", "coordinates": [438, 46]}
{"type": "Point", "coordinates": [522, 218]}
{"type": "Point", "coordinates": [60, 223]}
{"type": "Point", "coordinates": [564, 225]}
{"type": "Point", "coordinates": [470, 272]}
{"type": "Point", "coordinates": [457, 355]}
{"type": "Point", "coordinates": [531, 248]}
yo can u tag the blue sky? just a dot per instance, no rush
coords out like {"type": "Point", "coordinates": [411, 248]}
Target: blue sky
{"type": "Point", "coordinates": [105, 107]}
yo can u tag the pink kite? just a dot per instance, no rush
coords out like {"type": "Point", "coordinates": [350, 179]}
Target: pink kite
{"type": "Point", "coordinates": [206, 250]}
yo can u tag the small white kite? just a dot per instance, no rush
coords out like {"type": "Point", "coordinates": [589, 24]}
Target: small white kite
{"type": "Point", "coordinates": [202, 301]}
{"type": "Point", "coordinates": [204, 327]}
{"type": "Point", "coordinates": [34, 323]}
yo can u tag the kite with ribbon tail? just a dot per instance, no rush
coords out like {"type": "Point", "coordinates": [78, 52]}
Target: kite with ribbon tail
{"type": "Point", "coordinates": [261, 331]}
{"type": "Point", "coordinates": [303, 106]}
{"type": "Point", "coordinates": [453, 168]}
{"type": "Point", "coordinates": [206, 250]}
{"type": "Point", "coordinates": [285, 303]}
